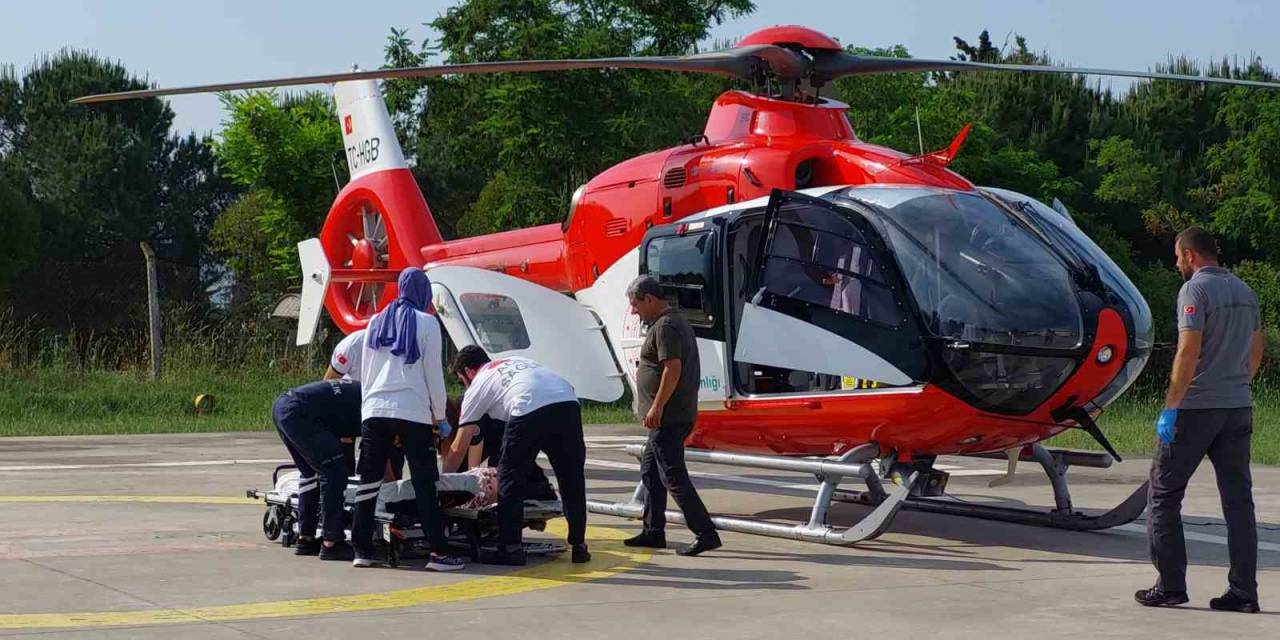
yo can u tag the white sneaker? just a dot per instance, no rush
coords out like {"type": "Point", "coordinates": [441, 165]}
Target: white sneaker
{"type": "Point", "coordinates": [363, 562]}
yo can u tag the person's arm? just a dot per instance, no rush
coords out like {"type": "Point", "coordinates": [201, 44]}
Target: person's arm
{"type": "Point", "coordinates": [671, 370]}
{"type": "Point", "coordinates": [475, 455]}
{"type": "Point", "coordinates": [330, 374]}
{"type": "Point", "coordinates": [1184, 367]}
{"type": "Point", "coordinates": [1255, 354]}
{"type": "Point", "coordinates": [434, 369]}
{"type": "Point", "coordinates": [460, 447]}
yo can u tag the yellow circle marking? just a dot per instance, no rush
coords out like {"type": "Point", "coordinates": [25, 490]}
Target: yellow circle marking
{"type": "Point", "coordinates": [608, 558]}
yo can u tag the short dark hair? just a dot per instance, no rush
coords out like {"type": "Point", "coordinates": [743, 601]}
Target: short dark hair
{"type": "Point", "coordinates": [1199, 241]}
{"type": "Point", "coordinates": [469, 357]}
{"type": "Point", "coordinates": [642, 286]}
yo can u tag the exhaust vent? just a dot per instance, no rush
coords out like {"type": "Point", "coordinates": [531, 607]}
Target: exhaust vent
{"type": "Point", "coordinates": [674, 178]}
{"type": "Point", "coordinates": [615, 227]}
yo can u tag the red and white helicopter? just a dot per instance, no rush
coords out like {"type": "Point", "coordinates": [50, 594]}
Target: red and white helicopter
{"type": "Point", "coordinates": [850, 301]}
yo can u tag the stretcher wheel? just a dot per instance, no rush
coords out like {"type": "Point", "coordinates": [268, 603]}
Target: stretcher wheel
{"type": "Point", "coordinates": [271, 523]}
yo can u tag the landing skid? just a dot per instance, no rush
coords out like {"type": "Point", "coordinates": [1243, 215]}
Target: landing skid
{"type": "Point", "coordinates": [888, 498]}
{"type": "Point", "coordinates": [1063, 516]}
{"type": "Point", "coordinates": [855, 463]}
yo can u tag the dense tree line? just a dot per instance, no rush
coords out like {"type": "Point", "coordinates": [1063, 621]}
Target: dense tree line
{"type": "Point", "coordinates": [81, 186]}
{"type": "Point", "coordinates": [495, 152]}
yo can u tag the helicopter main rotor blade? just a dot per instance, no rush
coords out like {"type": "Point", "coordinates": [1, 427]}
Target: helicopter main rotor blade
{"type": "Point", "coordinates": [831, 65]}
{"type": "Point", "coordinates": [743, 62]}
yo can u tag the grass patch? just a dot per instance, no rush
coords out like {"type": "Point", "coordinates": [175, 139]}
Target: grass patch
{"type": "Point", "coordinates": [55, 401]}
{"type": "Point", "coordinates": [52, 401]}
{"type": "Point", "coordinates": [1129, 424]}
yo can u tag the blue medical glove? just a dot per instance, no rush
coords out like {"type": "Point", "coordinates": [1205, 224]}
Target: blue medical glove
{"type": "Point", "coordinates": [444, 428]}
{"type": "Point", "coordinates": [1164, 425]}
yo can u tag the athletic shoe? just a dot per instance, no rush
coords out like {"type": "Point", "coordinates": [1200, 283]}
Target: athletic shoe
{"type": "Point", "coordinates": [510, 557]}
{"type": "Point", "coordinates": [647, 539]}
{"type": "Point", "coordinates": [580, 554]}
{"type": "Point", "coordinates": [339, 551]}
{"type": "Point", "coordinates": [1232, 602]}
{"type": "Point", "coordinates": [306, 547]}
{"type": "Point", "coordinates": [701, 544]}
{"type": "Point", "coordinates": [441, 562]}
{"type": "Point", "coordinates": [1156, 597]}
{"type": "Point", "coordinates": [363, 559]}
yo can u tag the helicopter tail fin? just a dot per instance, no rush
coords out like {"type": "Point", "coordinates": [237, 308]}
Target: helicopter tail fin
{"type": "Point", "coordinates": [378, 224]}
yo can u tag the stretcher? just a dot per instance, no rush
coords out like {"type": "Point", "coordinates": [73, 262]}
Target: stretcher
{"type": "Point", "coordinates": [399, 532]}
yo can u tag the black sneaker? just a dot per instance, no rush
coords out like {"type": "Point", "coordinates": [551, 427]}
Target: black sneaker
{"type": "Point", "coordinates": [339, 551]}
{"type": "Point", "coordinates": [1156, 597]}
{"type": "Point", "coordinates": [1232, 602]}
{"type": "Point", "coordinates": [647, 539]}
{"type": "Point", "coordinates": [700, 545]}
{"type": "Point", "coordinates": [580, 554]}
{"type": "Point", "coordinates": [309, 547]}
{"type": "Point", "coordinates": [509, 557]}
{"type": "Point", "coordinates": [442, 562]}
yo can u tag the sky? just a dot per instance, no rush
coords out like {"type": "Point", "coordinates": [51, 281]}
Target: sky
{"type": "Point", "coordinates": [175, 43]}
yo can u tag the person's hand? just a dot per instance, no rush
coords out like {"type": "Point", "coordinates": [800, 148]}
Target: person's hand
{"type": "Point", "coordinates": [653, 419]}
{"type": "Point", "coordinates": [1164, 425]}
{"type": "Point", "coordinates": [444, 428]}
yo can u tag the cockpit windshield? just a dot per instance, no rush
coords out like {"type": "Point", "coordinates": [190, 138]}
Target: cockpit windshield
{"type": "Point", "coordinates": [977, 274]}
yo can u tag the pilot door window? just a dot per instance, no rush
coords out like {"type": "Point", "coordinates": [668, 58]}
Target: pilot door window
{"type": "Point", "coordinates": [818, 259]}
{"type": "Point", "coordinates": [685, 267]}
{"type": "Point", "coordinates": [822, 259]}
{"type": "Point", "coordinates": [496, 321]}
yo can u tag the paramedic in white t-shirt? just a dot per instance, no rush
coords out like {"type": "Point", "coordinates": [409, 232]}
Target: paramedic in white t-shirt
{"type": "Point", "coordinates": [402, 380]}
{"type": "Point", "coordinates": [542, 413]}
{"type": "Point", "coordinates": [345, 361]}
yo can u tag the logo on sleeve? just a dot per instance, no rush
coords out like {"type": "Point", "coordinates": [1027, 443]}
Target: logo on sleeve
{"type": "Point", "coordinates": [1189, 310]}
{"type": "Point", "coordinates": [342, 358]}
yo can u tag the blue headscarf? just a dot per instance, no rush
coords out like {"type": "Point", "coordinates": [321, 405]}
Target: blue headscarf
{"type": "Point", "coordinates": [397, 325]}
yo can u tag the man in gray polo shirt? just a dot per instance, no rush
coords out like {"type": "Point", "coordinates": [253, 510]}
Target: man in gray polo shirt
{"type": "Point", "coordinates": [1208, 410]}
{"type": "Point", "coordinates": [667, 403]}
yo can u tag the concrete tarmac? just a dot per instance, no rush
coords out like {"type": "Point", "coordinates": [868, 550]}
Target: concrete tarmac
{"type": "Point", "coordinates": [145, 537]}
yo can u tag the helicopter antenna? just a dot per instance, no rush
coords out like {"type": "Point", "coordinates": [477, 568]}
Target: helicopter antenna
{"type": "Point", "coordinates": [919, 132]}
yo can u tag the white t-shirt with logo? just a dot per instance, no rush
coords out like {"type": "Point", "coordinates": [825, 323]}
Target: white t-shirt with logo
{"type": "Point", "coordinates": [346, 356]}
{"type": "Point", "coordinates": [512, 387]}
{"type": "Point", "coordinates": [414, 392]}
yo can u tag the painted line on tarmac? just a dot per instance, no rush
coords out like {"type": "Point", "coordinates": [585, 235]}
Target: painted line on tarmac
{"type": "Point", "coordinates": [608, 558]}
{"type": "Point", "coordinates": [1126, 528]}
{"type": "Point", "coordinates": [130, 465]}
{"type": "Point", "coordinates": [1195, 535]}
{"type": "Point", "coordinates": [110, 498]}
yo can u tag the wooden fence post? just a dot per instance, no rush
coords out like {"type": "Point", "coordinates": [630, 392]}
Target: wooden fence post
{"type": "Point", "coordinates": [153, 308]}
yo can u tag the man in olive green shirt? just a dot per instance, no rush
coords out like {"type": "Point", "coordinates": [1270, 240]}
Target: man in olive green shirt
{"type": "Point", "coordinates": [667, 402]}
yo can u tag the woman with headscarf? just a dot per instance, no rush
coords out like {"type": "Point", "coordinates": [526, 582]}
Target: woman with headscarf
{"type": "Point", "coordinates": [404, 396]}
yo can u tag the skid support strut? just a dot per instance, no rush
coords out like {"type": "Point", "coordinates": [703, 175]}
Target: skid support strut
{"type": "Point", "coordinates": [1063, 516]}
{"type": "Point", "coordinates": [830, 474]}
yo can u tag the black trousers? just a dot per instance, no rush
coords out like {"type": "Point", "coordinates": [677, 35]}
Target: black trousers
{"type": "Point", "coordinates": [1224, 435]}
{"type": "Point", "coordinates": [323, 468]}
{"type": "Point", "coordinates": [555, 430]}
{"type": "Point", "coordinates": [377, 439]}
{"type": "Point", "coordinates": [662, 469]}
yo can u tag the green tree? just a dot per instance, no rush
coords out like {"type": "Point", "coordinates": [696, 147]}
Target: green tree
{"type": "Point", "coordinates": [99, 179]}
{"type": "Point", "coordinates": [286, 150]}
{"type": "Point", "coordinates": [496, 151]}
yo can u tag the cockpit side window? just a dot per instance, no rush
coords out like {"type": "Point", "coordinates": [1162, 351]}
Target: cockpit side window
{"type": "Point", "coordinates": [824, 260]}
